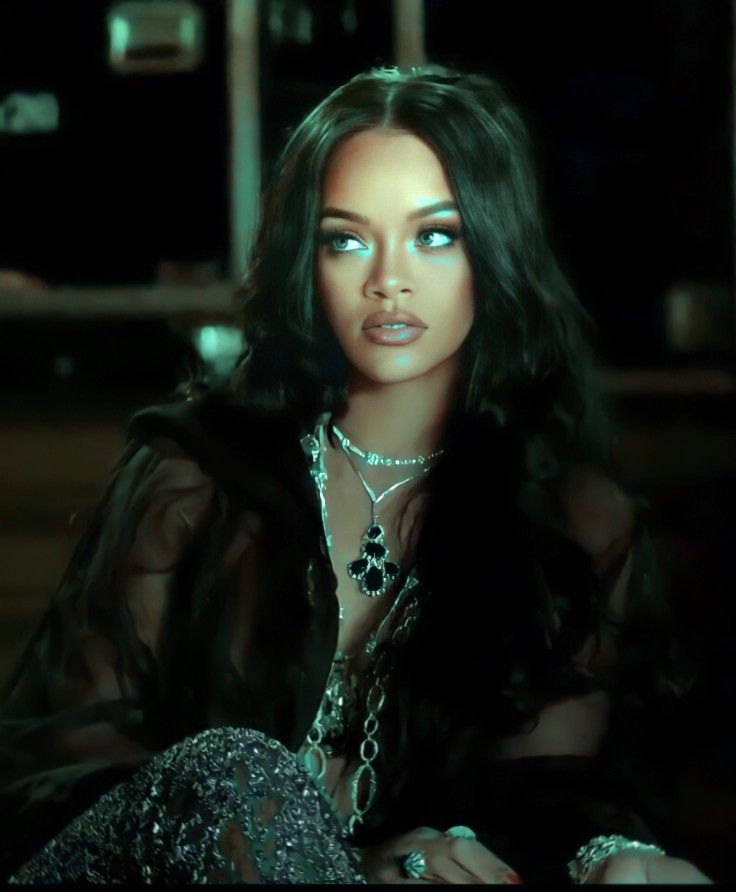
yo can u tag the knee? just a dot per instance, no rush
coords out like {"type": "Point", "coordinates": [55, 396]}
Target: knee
{"type": "Point", "coordinates": [215, 751]}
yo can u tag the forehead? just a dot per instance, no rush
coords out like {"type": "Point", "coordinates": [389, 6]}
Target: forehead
{"type": "Point", "coordinates": [380, 163]}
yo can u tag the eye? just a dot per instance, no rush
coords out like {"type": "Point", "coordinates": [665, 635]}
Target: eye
{"type": "Point", "coordinates": [340, 242]}
{"type": "Point", "coordinates": [437, 237]}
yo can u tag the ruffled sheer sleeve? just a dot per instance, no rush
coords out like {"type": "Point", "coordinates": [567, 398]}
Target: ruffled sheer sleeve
{"type": "Point", "coordinates": [76, 711]}
{"type": "Point", "coordinates": [562, 779]}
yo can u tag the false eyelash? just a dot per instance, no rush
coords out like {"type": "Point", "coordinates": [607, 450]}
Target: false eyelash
{"type": "Point", "coordinates": [326, 236]}
{"type": "Point", "coordinates": [445, 230]}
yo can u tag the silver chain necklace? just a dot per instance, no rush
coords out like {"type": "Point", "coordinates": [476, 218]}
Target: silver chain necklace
{"type": "Point", "coordinates": [373, 570]}
{"type": "Point", "coordinates": [373, 458]}
{"type": "Point", "coordinates": [339, 701]}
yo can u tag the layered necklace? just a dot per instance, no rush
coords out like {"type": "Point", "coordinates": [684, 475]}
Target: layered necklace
{"type": "Point", "coordinates": [339, 706]}
{"type": "Point", "coordinates": [373, 569]}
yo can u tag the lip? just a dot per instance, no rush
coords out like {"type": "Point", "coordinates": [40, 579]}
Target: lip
{"type": "Point", "coordinates": [394, 337]}
{"type": "Point", "coordinates": [384, 318]}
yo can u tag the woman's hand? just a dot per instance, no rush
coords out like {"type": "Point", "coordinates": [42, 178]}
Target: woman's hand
{"type": "Point", "coordinates": [633, 867]}
{"type": "Point", "coordinates": [448, 859]}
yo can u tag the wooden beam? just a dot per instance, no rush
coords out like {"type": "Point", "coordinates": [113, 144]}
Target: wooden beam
{"type": "Point", "coordinates": [216, 300]}
{"type": "Point", "coordinates": [408, 23]}
{"type": "Point", "coordinates": [245, 130]}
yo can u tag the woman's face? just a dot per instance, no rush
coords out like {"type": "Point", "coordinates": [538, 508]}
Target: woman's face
{"type": "Point", "coordinates": [391, 242]}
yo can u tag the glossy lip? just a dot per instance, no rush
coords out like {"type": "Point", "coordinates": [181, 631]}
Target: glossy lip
{"type": "Point", "coordinates": [384, 318]}
{"type": "Point", "coordinates": [394, 337]}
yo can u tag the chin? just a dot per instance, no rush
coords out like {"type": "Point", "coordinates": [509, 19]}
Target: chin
{"type": "Point", "coordinates": [395, 371]}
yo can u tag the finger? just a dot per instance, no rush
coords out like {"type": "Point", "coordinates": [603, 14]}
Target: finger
{"type": "Point", "coordinates": [427, 833]}
{"type": "Point", "coordinates": [674, 870]}
{"type": "Point", "coordinates": [445, 869]}
{"type": "Point", "coordinates": [501, 875]}
{"type": "Point", "coordinates": [480, 861]}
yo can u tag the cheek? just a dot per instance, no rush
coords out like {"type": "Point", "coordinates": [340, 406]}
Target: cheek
{"type": "Point", "coordinates": [461, 304]}
{"type": "Point", "coordinates": [332, 290]}
{"type": "Point", "coordinates": [326, 290]}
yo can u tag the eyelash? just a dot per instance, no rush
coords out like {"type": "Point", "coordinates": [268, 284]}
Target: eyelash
{"type": "Point", "coordinates": [327, 237]}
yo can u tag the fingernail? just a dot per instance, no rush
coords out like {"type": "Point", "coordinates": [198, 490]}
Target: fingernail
{"type": "Point", "coordinates": [512, 878]}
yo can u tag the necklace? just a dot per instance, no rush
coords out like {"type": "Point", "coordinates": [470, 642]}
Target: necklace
{"type": "Point", "coordinates": [339, 701]}
{"type": "Point", "coordinates": [373, 458]}
{"type": "Point", "coordinates": [373, 570]}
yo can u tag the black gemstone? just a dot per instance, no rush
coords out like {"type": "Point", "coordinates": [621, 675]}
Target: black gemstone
{"type": "Point", "coordinates": [373, 579]}
{"type": "Point", "coordinates": [374, 532]}
{"type": "Point", "coordinates": [374, 549]}
{"type": "Point", "coordinates": [356, 568]}
{"type": "Point", "coordinates": [391, 568]}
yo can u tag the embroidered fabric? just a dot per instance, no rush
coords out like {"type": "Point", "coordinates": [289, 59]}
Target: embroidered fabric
{"type": "Point", "coordinates": [228, 805]}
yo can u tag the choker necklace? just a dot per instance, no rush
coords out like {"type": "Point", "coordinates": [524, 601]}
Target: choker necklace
{"type": "Point", "coordinates": [373, 458]}
{"type": "Point", "coordinates": [373, 569]}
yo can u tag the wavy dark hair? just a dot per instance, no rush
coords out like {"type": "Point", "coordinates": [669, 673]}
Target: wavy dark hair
{"type": "Point", "coordinates": [527, 365]}
{"type": "Point", "coordinates": [527, 358]}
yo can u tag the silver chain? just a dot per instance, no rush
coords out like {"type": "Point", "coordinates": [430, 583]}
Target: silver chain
{"type": "Point", "coordinates": [373, 458]}
{"type": "Point", "coordinates": [372, 495]}
{"type": "Point", "coordinates": [313, 752]}
{"type": "Point", "coordinates": [369, 748]}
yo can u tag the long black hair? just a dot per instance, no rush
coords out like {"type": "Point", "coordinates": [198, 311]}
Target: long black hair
{"type": "Point", "coordinates": [527, 358]}
{"type": "Point", "coordinates": [528, 373]}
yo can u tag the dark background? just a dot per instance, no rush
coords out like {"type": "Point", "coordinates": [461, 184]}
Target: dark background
{"type": "Point", "coordinates": [630, 106]}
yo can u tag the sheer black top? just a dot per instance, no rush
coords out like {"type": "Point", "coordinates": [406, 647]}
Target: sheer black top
{"type": "Point", "coordinates": [202, 594]}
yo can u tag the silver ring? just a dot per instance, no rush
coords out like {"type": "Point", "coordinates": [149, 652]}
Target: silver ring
{"type": "Point", "coordinates": [461, 832]}
{"type": "Point", "coordinates": [413, 865]}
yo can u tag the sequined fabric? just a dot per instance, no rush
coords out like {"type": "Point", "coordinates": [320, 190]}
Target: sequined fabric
{"type": "Point", "coordinates": [229, 805]}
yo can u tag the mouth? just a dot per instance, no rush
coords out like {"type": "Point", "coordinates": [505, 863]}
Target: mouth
{"type": "Point", "coordinates": [392, 321]}
{"type": "Point", "coordinates": [395, 325]}
{"type": "Point", "coordinates": [396, 334]}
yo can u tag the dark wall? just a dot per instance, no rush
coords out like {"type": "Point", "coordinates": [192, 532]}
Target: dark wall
{"type": "Point", "coordinates": [137, 171]}
{"type": "Point", "coordinates": [630, 105]}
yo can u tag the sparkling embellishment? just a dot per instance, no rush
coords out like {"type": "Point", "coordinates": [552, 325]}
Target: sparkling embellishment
{"type": "Point", "coordinates": [339, 708]}
{"type": "Point", "coordinates": [184, 818]}
{"type": "Point", "coordinates": [414, 865]}
{"type": "Point", "coordinates": [373, 570]}
{"type": "Point", "coordinates": [373, 458]}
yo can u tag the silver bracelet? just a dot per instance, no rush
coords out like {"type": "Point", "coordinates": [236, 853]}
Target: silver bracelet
{"type": "Point", "coordinates": [598, 849]}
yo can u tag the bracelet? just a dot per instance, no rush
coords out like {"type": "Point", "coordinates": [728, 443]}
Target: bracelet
{"type": "Point", "coordinates": [598, 849]}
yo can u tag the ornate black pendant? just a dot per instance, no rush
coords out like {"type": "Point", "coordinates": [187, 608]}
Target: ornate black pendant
{"type": "Point", "coordinates": [373, 569]}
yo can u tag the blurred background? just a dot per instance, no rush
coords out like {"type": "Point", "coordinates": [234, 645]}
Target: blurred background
{"type": "Point", "coordinates": [134, 139]}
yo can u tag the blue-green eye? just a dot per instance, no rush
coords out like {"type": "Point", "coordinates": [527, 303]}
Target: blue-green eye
{"type": "Point", "coordinates": [427, 238]}
{"type": "Point", "coordinates": [339, 242]}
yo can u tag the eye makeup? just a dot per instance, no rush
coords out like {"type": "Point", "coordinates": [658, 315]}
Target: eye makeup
{"type": "Point", "coordinates": [329, 237]}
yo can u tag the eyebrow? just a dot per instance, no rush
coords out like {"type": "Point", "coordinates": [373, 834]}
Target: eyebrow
{"type": "Point", "coordinates": [425, 211]}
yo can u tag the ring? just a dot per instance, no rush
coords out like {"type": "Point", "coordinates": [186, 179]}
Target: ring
{"type": "Point", "coordinates": [461, 832]}
{"type": "Point", "coordinates": [413, 865]}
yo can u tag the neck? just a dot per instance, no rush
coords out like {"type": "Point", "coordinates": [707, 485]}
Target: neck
{"type": "Point", "coordinates": [401, 420]}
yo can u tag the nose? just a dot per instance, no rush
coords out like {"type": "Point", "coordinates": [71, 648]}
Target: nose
{"type": "Point", "coordinates": [389, 275]}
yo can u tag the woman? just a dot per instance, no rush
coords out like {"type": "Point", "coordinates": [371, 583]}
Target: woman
{"type": "Point", "coordinates": [383, 582]}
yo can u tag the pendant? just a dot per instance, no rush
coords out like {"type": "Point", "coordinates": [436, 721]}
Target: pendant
{"type": "Point", "coordinates": [372, 568]}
